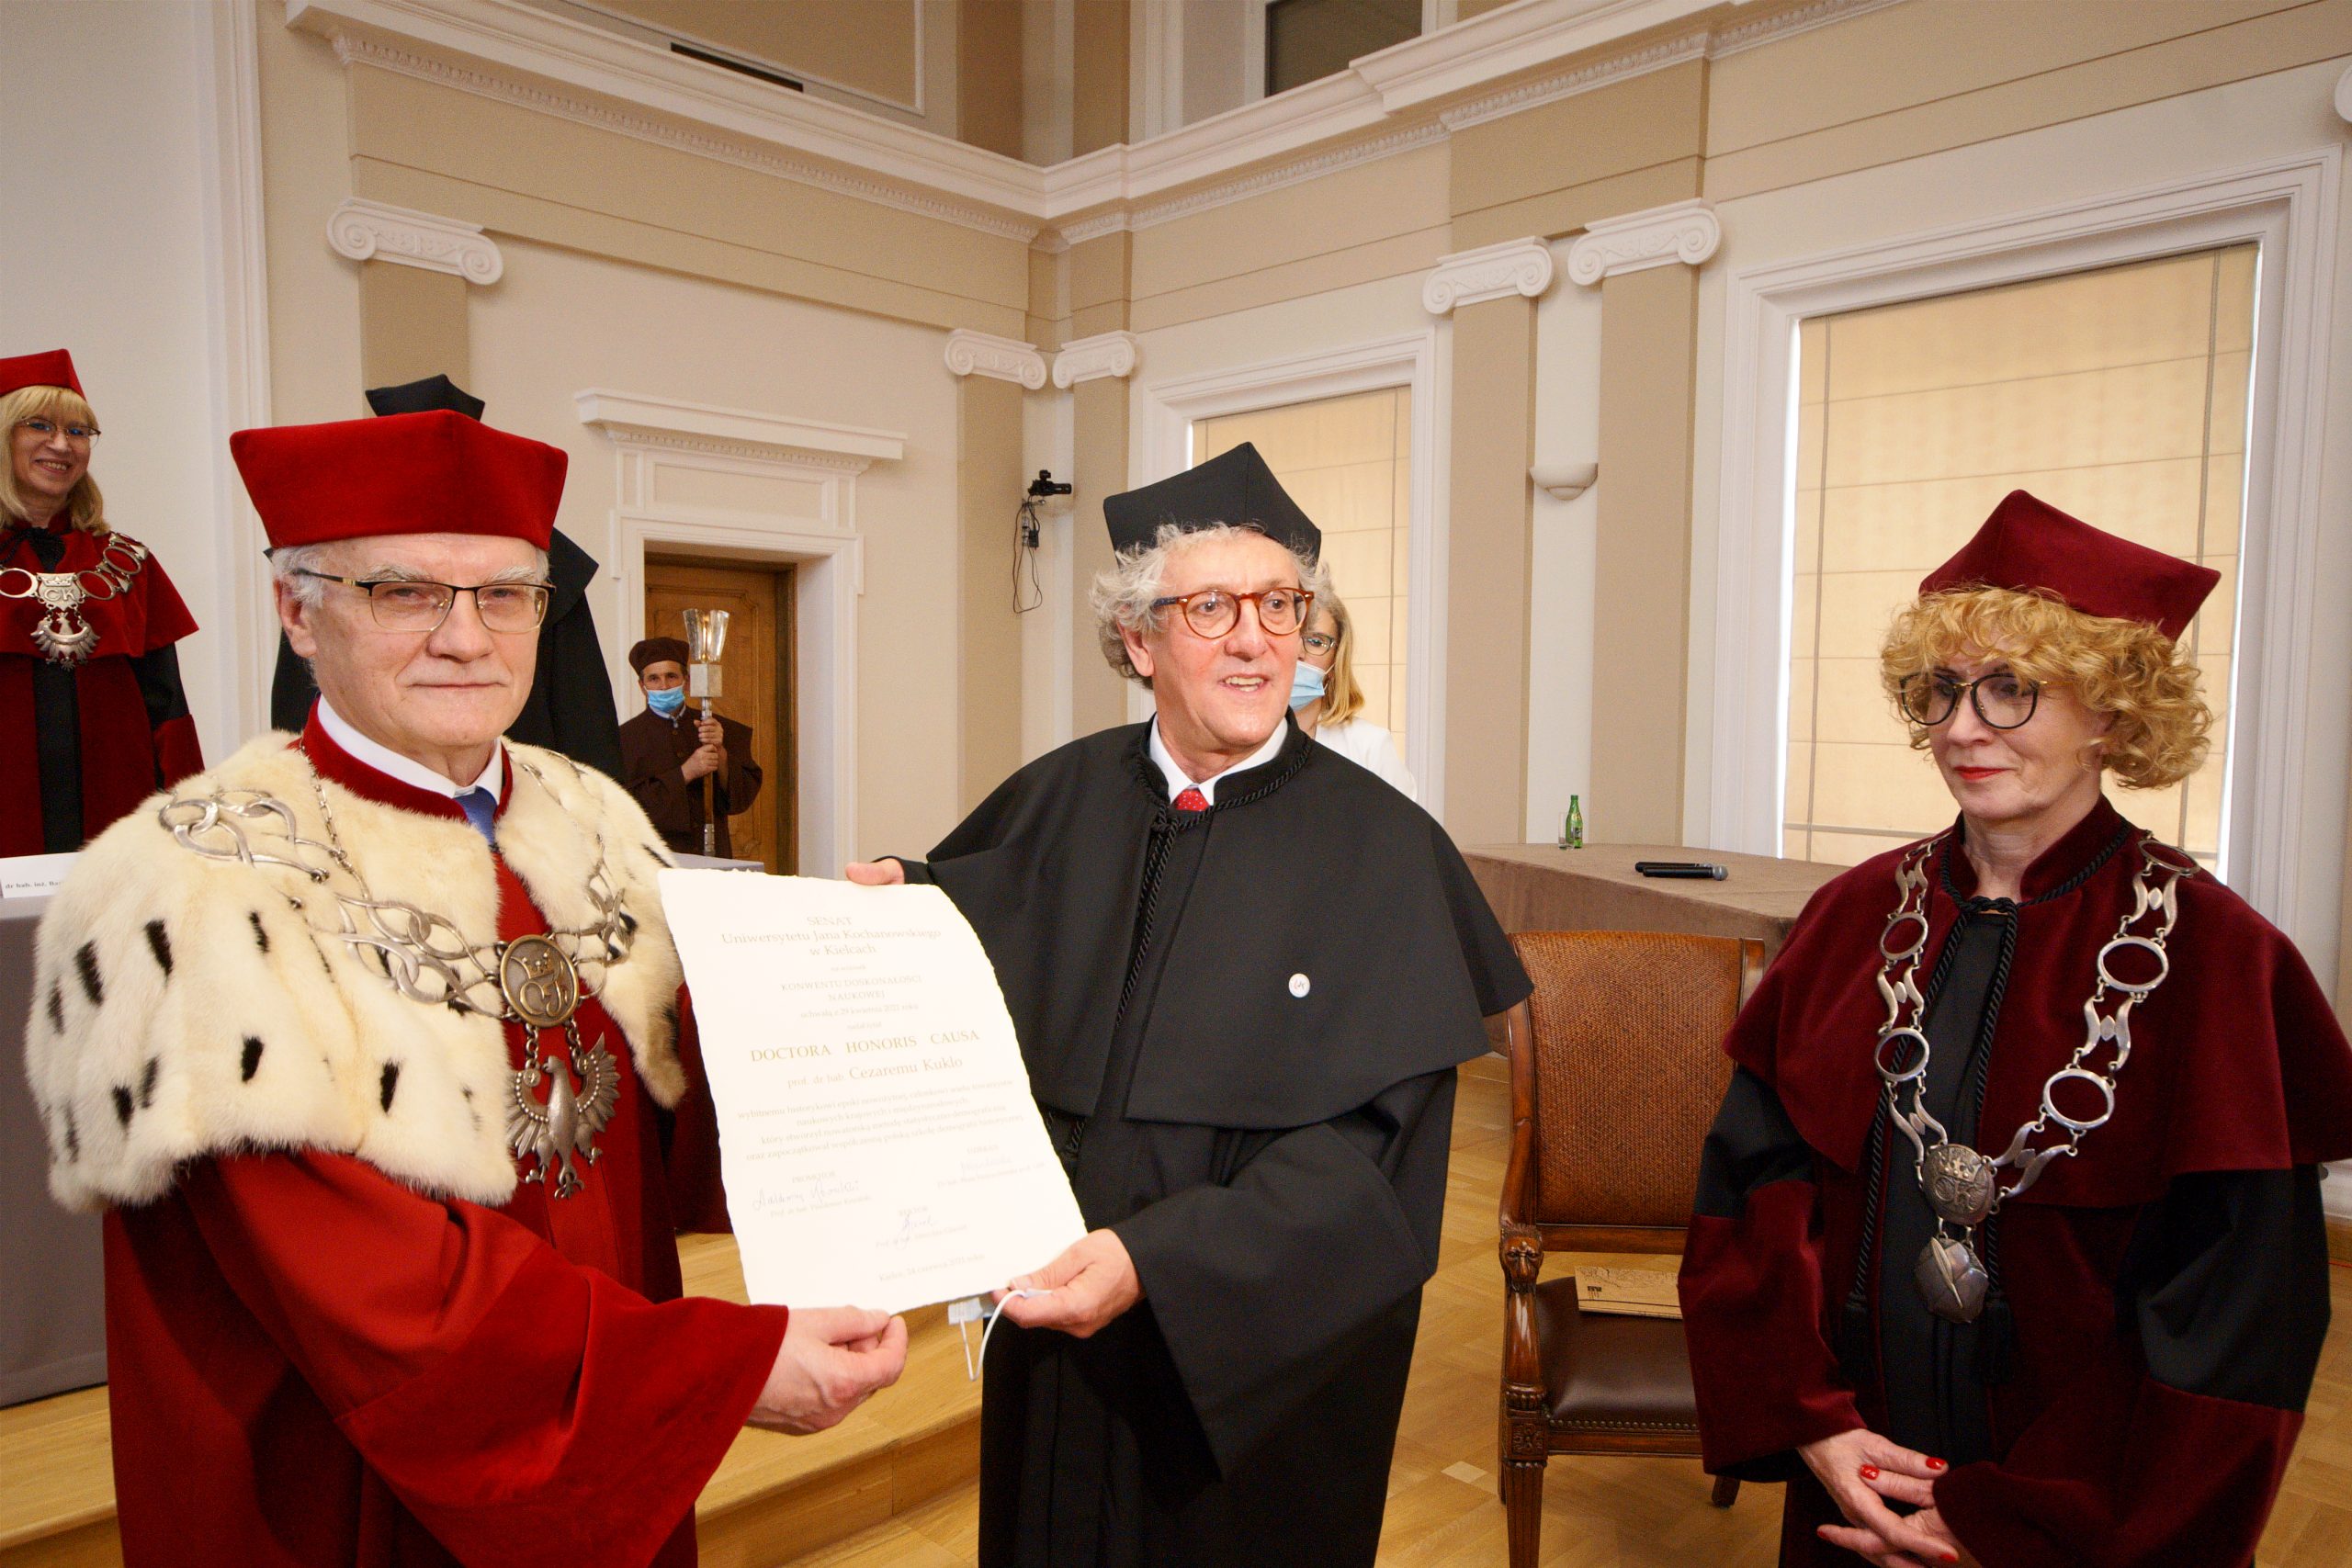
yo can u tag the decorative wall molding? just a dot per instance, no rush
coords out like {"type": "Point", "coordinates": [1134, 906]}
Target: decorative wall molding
{"type": "Point", "coordinates": [1491, 272]}
{"type": "Point", "coordinates": [1095, 228]}
{"type": "Point", "coordinates": [1506, 40]}
{"type": "Point", "coordinates": [376, 230]}
{"type": "Point", "coordinates": [1326, 163]}
{"type": "Point", "coordinates": [355, 50]}
{"type": "Point", "coordinates": [1092, 359]}
{"type": "Point", "coordinates": [1563, 481]}
{"type": "Point", "coordinates": [1003, 358]}
{"type": "Point", "coordinates": [520, 54]}
{"type": "Point", "coordinates": [634, 421]}
{"type": "Point", "coordinates": [2344, 95]}
{"type": "Point", "coordinates": [1583, 79]}
{"type": "Point", "coordinates": [1683, 231]}
{"type": "Point", "coordinates": [1785, 23]}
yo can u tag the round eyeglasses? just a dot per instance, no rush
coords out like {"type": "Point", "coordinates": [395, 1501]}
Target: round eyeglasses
{"type": "Point", "coordinates": [2003, 700]}
{"type": "Point", "coordinates": [1318, 642]}
{"type": "Point", "coordinates": [1213, 612]}
{"type": "Point", "coordinates": [405, 604]}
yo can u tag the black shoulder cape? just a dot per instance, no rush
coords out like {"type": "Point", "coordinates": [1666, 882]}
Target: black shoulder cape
{"type": "Point", "coordinates": [1400, 955]}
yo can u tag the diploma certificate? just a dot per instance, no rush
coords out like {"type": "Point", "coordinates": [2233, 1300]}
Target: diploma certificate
{"type": "Point", "coordinates": [875, 1125]}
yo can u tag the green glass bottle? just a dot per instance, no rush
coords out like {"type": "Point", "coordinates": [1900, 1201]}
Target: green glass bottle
{"type": "Point", "coordinates": [1572, 835]}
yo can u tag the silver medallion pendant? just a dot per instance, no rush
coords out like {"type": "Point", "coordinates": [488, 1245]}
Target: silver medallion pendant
{"type": "Point", "coordinates": [1959, 1184]}
{"type": "Point", "coordinates": [62, 634]}
{"type": "Point", "coordinates": [1951, 1280]}
{"type": "Point", "coordinates": [538, 980]}
{"type": "Point", "coordinates": [584, 1084]}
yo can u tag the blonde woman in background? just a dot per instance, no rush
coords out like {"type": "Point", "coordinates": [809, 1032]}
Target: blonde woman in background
{"type": "Point", "coordinates": [93, 717]}
{"type": "Point", "coordinates": [1328, 704]}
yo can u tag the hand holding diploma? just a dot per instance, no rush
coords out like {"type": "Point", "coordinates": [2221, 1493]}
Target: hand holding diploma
{"type": "Point", "coordinates": [1090, 1283]}
{"type": "Point", "coordinates": [831, 1361]}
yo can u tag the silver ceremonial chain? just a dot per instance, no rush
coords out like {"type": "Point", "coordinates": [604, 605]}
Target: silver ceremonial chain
{"type": "Point", "coordinates": [62, 634]}
{"type": "Point", "coordinates": [1961, 1186]}
{"type": "Point", "coordinates": [537, 981]}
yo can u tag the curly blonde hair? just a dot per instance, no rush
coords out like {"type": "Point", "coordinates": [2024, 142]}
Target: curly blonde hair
{"type": "Point", "coordinates": [2127, 669]}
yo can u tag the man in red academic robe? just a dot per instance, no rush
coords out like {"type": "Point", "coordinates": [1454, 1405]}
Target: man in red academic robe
{"type": "Point", "coordinates": [93, 715]}
{"type": "Point", "coordinates": [367, 1041]}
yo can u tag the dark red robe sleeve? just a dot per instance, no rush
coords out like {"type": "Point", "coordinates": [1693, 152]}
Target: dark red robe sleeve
{"type": "Point", "coordinates": [527, 1410]}
{"type": "Point", "coordinates": [2172, 1456]}
{"type": "Point", "coordinates": [1766, 1377]}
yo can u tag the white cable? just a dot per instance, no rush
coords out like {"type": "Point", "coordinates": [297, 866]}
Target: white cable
{"type": "Point", "coordinates": [972, 1368]}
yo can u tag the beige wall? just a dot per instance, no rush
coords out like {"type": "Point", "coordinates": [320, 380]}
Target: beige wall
{"type": "Point", "coordinates": [673, 337]}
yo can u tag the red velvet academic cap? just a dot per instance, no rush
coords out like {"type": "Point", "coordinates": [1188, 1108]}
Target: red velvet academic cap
{"type": "Point", "coordinates": [406, 473]}
{"type": "Point", "coordinates": [2028, 545]}
{"type": "Point", "coordinates": [52, 367]}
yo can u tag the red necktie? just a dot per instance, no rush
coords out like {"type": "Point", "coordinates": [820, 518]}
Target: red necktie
{"type": "Point", "coordinates": [1192, 800]}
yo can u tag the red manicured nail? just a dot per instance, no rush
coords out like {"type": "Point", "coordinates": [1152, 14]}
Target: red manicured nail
{"type": "Point", "coordinates": [1938, 1464]}
{"type": "Point", "coordinates": [1870, 1473]}
{"type": "Point", "coordinates": [1951, 1556]}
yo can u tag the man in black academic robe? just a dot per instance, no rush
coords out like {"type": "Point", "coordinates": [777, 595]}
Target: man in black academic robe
{"type": "Point", "coordinates": [569, 707]}
{"type": "Point", "coordinates": [1243, 970]}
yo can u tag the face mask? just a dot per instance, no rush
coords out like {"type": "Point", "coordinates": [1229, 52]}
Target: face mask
{"type": "Point", "coordinates": [667, 703]}
{"type": "Point", "coordinates": [1305, 685]}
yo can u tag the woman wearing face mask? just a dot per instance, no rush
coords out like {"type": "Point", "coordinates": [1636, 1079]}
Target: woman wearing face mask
{"type": "Point", "coordinates": [93, 717]}
{"type": "Point", "coordinates": [1327, 703]}
{"type": "Point", "coordinates": [2008, 1244]}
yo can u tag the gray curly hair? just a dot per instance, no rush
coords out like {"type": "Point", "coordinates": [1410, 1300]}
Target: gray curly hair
{"type": "Point", "coordinates": [1123, 593]}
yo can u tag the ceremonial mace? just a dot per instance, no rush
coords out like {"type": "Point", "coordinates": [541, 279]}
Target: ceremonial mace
{"type": "Point", "coordinates": [705, 640]}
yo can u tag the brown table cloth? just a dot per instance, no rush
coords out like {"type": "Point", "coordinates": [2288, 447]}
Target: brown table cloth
{"type": "Point", "coordinates": [1534, 888]}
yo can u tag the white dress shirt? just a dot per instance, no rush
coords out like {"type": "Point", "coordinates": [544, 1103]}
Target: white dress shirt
{"type": "Point", "coordinates": [1179, 781]}
{"type": "Point", "coordinates": [409, 771]}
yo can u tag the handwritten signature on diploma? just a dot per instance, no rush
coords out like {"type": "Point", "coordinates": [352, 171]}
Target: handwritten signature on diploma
{"type": "Point", "coordinates": [912, 1222]}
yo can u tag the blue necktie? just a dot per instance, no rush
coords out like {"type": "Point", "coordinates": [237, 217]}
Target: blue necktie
{"type": "Point", "coordinates": [481, 809]}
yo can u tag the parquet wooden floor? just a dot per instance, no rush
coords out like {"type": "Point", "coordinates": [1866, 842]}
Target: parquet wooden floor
{"type": "Point", "coordinates": [1606, 1513]}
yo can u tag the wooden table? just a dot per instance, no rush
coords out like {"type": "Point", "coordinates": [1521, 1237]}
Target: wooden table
{"type": "Point", "coordinates": [1535, 887]}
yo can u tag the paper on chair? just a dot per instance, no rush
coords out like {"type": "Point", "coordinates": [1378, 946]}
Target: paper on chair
{"type": "Point", "coordinates": [876, 1130]}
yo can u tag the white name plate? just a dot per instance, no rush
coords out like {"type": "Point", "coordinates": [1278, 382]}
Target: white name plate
{"type": "Point", "coordinates": [33, 877]}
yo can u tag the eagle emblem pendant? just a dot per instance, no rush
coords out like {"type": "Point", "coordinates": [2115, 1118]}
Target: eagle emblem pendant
{"type": "Point", "coordinates": [560, 1131]}
{"type": "Point", "coordinates": [62, 634]}
{"type": "Point", "coordinates": [1951, 1280]}
{"type": "Point", "coordinates": [1959, 1184]}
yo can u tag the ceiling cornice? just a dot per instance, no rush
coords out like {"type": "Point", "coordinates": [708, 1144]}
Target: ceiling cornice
{"type": "Point", "coordinates": [1407, 97]}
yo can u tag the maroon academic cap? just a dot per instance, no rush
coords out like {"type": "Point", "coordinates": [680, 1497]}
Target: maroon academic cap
{"type": "Point", "coordinates": [2029, 545]}
{"type": "Point", "coordinates": [654, 650]}
{"type": "Point", "coordinates": [51, 368]}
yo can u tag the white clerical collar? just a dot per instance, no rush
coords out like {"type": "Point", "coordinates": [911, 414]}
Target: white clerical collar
{"type": "Point", "coordinates": [386, 761]}
{"type": "Point", "coordinates": [1179, 781]}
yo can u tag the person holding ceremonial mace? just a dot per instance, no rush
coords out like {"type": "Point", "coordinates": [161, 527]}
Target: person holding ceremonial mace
{"type": "Point", "coordinates": [2008, 1245]}
{"type": "Point", "coordinates": [1242, 970]}
{"type": "Point", "coordinates": [367, 1042]}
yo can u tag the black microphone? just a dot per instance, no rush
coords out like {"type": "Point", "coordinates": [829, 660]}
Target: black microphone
{"type": "Point", "coordinates": [1701, 871]}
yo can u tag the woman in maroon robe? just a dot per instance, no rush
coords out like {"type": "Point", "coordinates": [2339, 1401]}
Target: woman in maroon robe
{"type": "Point", "coordinates": [93, 717]}
{"type": "Point", "coordinates": [2090, 1343]}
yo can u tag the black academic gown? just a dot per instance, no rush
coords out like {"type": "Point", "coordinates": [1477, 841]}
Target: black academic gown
{"type": "Point", "coordinates": [1242, 1026]}
{"type": "Point", "coordinates": [570, 708]}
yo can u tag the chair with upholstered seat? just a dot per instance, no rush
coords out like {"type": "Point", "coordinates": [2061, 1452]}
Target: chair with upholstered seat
{"type": "Point", "coordinates": [1616, 1070]}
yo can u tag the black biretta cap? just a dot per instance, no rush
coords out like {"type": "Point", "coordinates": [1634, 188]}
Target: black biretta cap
{"type": "Point", "coordinates": [428, 396]}
{"type": "Point", "coordinates": [1236, 487]}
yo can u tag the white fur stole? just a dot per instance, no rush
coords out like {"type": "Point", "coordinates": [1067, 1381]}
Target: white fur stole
{"type": "Point", "coordinates": [188, 1005]}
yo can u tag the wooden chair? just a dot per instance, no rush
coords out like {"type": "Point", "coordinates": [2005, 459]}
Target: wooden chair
{"type": "Point", "coordinates": [1616, 1071]}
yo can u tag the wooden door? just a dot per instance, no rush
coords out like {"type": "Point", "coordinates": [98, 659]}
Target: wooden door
{"type": "Point", "coordinates": [755, 686]}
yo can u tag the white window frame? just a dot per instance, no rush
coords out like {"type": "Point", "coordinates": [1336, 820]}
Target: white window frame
{"type": "Point", "coordinates": [1167, 411]}
{"type": "Point", "coordinates": [2273, 828]}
